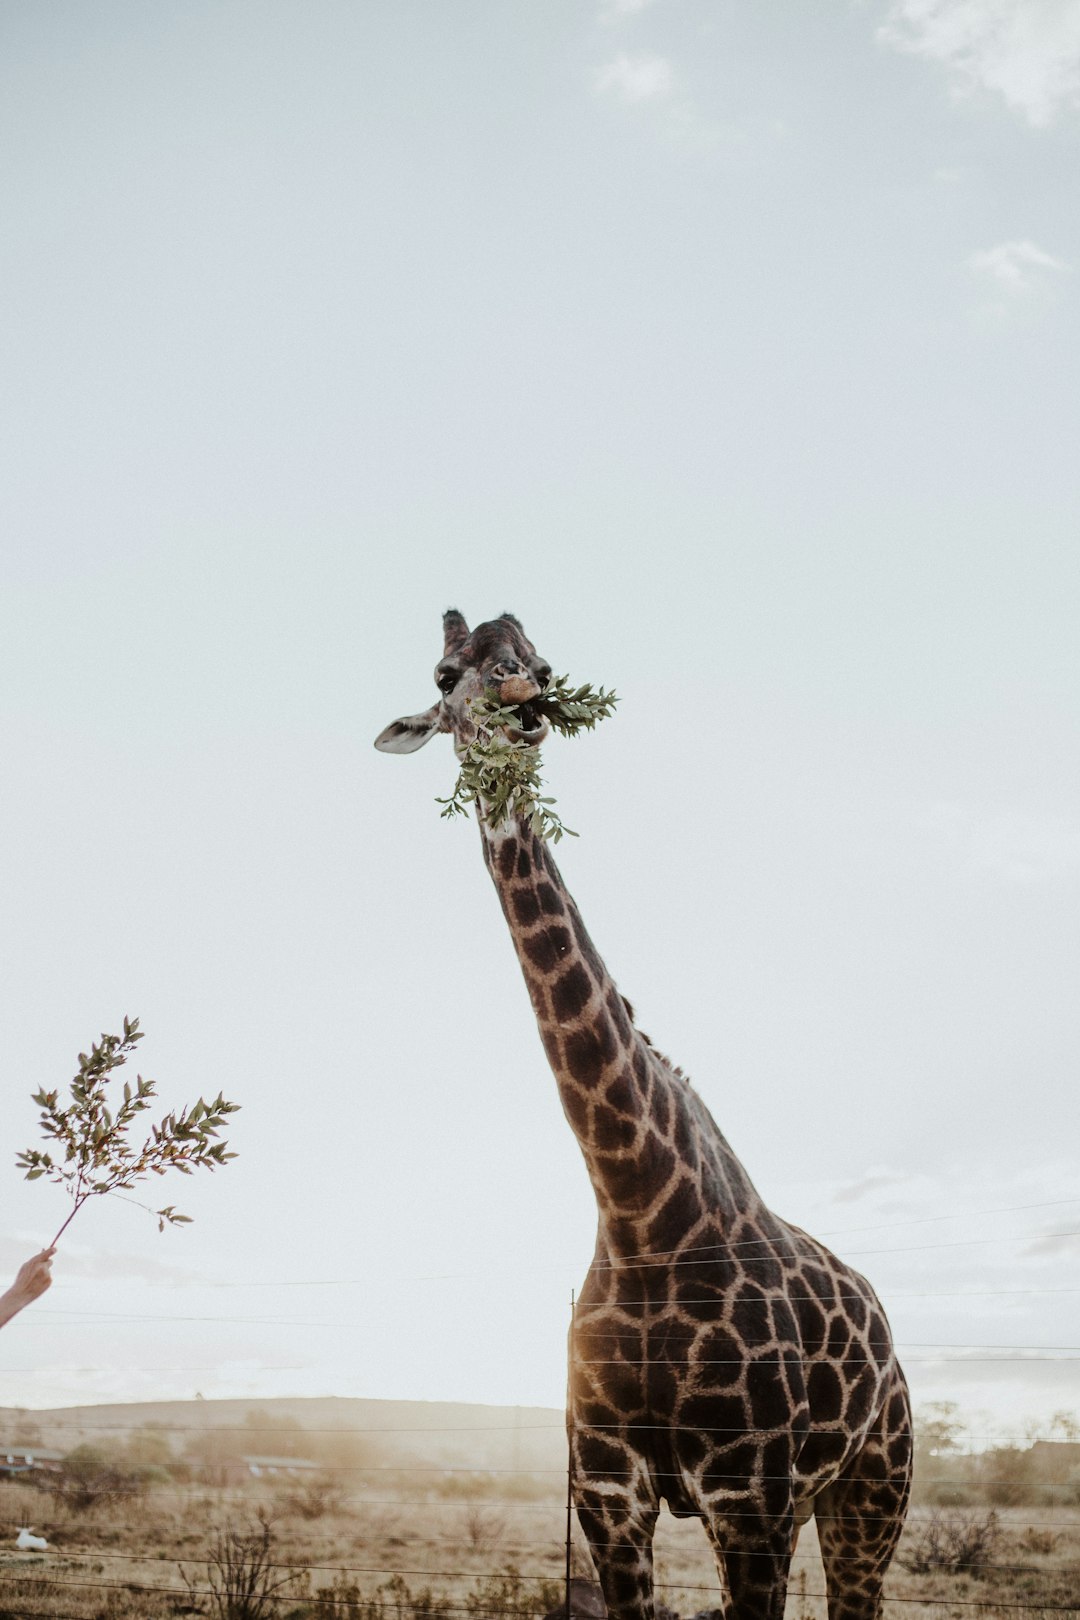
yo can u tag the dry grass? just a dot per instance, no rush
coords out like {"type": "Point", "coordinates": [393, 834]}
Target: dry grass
{"type": "Point", "coordinates": [375, 1556]}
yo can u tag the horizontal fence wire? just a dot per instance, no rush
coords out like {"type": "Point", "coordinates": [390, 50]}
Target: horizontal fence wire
{"type": "Point", "coordinates": [280, 1467]}
{"type": "Point", "coordinates": [436, 1607]}
{"type": "Point", "coordinates": [997, 1608]}
{"type": "Point", "coordinates": [289, 1423]}
{"type": "Point", "coordinates": [847, 1359]}
{"type": "Point", "coordinates": [898, 1344]}
{"type": "Point", "coordinates": [555, 1505]}
{"type": "Point", "coordinates": [662, 1255]}
{"type": "Point", "coordinates": [1032, 1353]}
{"type": "Point", "coordinates": [662, 1586]}
{"type": "Point", "coordinates": [764, 1247]}
{"type": "Point", "coordinates": [295, 1566]}
{"type": "Point", "coordinates": [57, 1317]}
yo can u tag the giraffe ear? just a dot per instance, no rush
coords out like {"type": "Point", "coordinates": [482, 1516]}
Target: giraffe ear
{"type": "Point", "coordinates": [407, 735]}
{"type": "Point", "coordinates": [455, 631]}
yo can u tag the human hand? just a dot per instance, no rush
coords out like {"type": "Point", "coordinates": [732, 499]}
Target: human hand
{"type": "Point", "coordinates": [33, 1277]}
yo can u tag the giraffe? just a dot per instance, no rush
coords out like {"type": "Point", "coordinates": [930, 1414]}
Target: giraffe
{"type": "Point", "coordinates": [722, 1360]}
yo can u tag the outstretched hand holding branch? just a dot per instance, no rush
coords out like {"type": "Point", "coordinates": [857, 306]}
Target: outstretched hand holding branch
{"type": "Point", "coordinates": [34, 1276]}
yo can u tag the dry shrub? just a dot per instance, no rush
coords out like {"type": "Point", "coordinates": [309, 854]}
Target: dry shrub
{"type": "Point", "coordinates": [92, 1475]}
{"type": "Point", "coordinates": [313, 1498]}
{"type": "Point", "coordinates": [507, 1595]}
{"type": "Point", "coordinates": [951, 1542]}
{"type": "Point", "coordinates": [243, 1581]}
{"type": "Point", "coordinates": [56, 1600]}
{"type": "Point", "coordinates": [394, 1599]}
{"type": "Point", "coordinates": [1006, 1474]}
{"type": "Point", "coordinates": [510, 1596]}
{"type": "Point", "coordinates": [951, 1494]}
{"type": "Point", "coordinates": [484, 1527]}
{"type": "Point", "coordinates": [1042, 1542]}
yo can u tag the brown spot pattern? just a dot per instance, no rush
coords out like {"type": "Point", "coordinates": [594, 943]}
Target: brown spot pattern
{"type": "Point", "coordinates": [722, 1360]}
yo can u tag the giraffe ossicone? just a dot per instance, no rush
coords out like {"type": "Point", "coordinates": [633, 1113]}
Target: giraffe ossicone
{"type": "Point", "coordinates": [722, 1360]}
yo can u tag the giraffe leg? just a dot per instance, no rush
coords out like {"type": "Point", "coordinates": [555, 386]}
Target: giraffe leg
{"type": "Point", "coordinates": [753, 1552]}
{"type": "Point", "coordinates": [619, 1531]}
{"type": "Point", "coordinates": [861, 1514]}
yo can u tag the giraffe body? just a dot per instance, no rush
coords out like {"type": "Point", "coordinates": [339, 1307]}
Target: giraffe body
{"type": "Point", "coordinates": [722, 1360]}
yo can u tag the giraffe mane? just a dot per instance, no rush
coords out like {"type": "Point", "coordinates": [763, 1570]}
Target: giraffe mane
{"type": "Point", "coordinates": [672, 1068]}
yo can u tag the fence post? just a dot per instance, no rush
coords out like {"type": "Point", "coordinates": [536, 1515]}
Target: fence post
{"type": "Point", "coordinates": [570, 1449]}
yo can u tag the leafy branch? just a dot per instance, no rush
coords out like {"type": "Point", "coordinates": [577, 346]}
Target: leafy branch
{"type": "Point", "coordinates": [94, 1156]}
{"type": "Point", "coordinates": [572, 709]}
{"type": "Point", "coordinates": [502, 776]}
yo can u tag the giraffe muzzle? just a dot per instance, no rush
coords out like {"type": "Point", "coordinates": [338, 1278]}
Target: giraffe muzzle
{"type": "Point", "coordinates": [519, 691]}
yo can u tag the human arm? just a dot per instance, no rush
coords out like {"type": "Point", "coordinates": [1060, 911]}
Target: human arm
{"type": "Point", "coordinates": [34, 1276]}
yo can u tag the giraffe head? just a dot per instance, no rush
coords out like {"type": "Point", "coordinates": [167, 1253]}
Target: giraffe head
{"type": "Point", "coordinates": [496, 657]}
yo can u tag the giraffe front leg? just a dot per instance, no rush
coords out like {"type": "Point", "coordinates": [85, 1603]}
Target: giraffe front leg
{"type": "Point", "coordinates": [753, 1543]}
{"type": "Point", "coordinates": [619, 1531]}
{"type": "Point", "coordinates": [617, 1508]}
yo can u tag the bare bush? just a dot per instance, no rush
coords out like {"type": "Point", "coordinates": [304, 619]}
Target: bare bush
{"type": "Point", "coordinates": [313, 1498]}
{"type": "Point", "coordinates": [954, 1542]}
{"type": "Point", "coordinates": [1007, 1475]}
{"type": "Point", "coordinates": [92, 1475]}
{"type": "Point", "coordinates": [484, 1527]}
{"type": "Point", "coordinates": [243, 1582]}
{"type": "Point", "coordinates": [391, 1600]}
{"type": "Point", "coordinates": [1041, 1542]}
{"type": "Point", "coordinates": [507, 1595]}
{"type": "Point", "coordinates": [512, 1597]}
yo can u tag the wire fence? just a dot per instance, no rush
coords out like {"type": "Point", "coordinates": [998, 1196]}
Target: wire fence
{"type": "Point", "coordinates": [491, 1486]}
{"type": "Point", "coordinates": [108, 1576]}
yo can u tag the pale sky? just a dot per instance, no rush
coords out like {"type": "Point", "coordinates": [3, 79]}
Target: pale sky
{"type": "Point", "coordinates": [731, 346]}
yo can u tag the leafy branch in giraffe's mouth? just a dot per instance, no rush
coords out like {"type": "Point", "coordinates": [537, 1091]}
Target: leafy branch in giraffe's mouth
{"type": "Point", "coordinates": [569, 709]}
{"type": "Point", "coordinates": [500, 768]}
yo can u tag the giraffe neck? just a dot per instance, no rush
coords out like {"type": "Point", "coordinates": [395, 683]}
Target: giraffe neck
{"type": "Point", "coordinates": [638, 1123]}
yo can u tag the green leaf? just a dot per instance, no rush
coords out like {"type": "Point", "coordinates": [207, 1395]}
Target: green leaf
{"type": "Point", "coordinates": [99, 1158]}
{"type": "Point", "coordinates": [500, 775]}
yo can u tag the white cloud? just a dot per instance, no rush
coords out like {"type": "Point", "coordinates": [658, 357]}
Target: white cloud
{"type": "Point", "coordinates": [636, 78]}
{"type": "Point", "coordinates": [1018, 267]}
{"type": "Point", "coordinates": [1061, 1245]}
{"type": "Point", "coordinates": [651, 82]}
{"type": "Point", "coordinates": [1027, 51]}
{"type": "Point", "coordinates": [851, 1192]}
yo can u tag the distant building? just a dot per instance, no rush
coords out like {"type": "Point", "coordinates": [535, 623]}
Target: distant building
{"type": "Point", "coordinates": [28, 1460]}
{"type": "Point", "coordinates": [238, 1470]}
{"type": "Point", "coordinates": [280, 1465]}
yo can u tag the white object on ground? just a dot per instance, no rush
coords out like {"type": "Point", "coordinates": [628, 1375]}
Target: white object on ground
{"type": "Point", "coordinates": [30, 1543]}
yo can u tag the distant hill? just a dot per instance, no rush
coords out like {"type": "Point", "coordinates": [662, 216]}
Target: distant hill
{"type": "Point", "coordinates": [442, 1434]}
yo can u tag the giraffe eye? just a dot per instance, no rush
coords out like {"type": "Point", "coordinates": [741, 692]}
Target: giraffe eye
{"type": "Point", "coordinates": [446, 680]}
